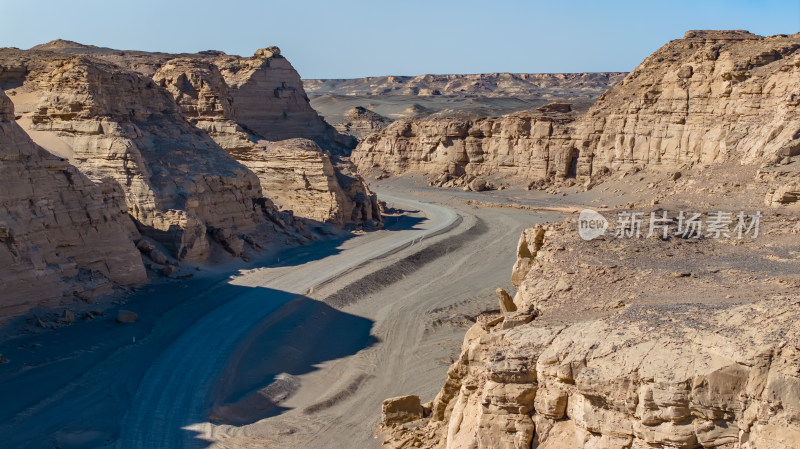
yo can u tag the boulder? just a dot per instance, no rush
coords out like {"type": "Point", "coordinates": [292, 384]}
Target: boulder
{"type": "Point", "coordinates": [478, 185]}
{"type": "Point", "coordinates": [506, 303]}
{"type": "Point", "coordinates": [400, 410]}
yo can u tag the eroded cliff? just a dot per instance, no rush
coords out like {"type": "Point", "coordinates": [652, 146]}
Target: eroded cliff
{"type": "Point", "coordinates": [713, 96]}
{"type": "Point", "coordinates": [63, 236]}
{"type": "Point", "coordinates": [168, 144]}
{"type": "Point", "coordinates": [629, 343]}
{"type": "Point", "coordinates": [118, 126]}
{"type": "Point", "coordinates": [228, 99]}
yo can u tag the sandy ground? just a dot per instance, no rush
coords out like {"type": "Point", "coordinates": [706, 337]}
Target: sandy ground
{"type": "Point", "coordinates": [344, 346]}
{"type": "Point", "coordinates": [423, 307]}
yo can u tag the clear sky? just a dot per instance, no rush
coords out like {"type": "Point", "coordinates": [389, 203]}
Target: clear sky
{"type": "Point", "coordinates": [355, 38]}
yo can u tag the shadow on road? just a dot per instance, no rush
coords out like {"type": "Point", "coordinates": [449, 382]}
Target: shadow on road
{"type": "Point", "coordinates": [323, 248]}
{"type": "Point", "coordinates": [294, 341]}
{"type": "Point", "coordinates": [71, 386]}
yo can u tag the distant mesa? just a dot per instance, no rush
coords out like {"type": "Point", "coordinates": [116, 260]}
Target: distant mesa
{"type": "Point", "coordinates": [361, 122]}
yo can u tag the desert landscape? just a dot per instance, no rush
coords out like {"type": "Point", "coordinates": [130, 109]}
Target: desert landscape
{"type": "Point", "coordinates": [207, 250]}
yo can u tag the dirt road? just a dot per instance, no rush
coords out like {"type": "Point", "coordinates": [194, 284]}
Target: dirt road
{"type": "Point", "coordinates": [299, 354]}
{"type": "Point", "coordinates": [420, 313]}
{"type": "Point", "coordinates": [171, 395]}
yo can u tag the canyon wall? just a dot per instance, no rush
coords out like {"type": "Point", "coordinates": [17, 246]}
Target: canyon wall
{"type": "Point", "coordinates": [711, 97]}
{"type": "Point", "coordinates": [169, 144]}
{"type": "Point", "coordinates": [63, 236]}
{"type": "Point", "coordinates": [704, 378]}
{"type": "Point", "coordinates": [295, 173]}
{"type": "Point", "coordinates": [158, 159]}
{"type": "Point", "coordinates": [118, 126]}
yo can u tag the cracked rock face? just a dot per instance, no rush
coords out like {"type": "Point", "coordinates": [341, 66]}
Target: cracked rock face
{"type": "Point", "coordinates": [710, 97]}
{"type": "Point", "coordinates": [61, 235]}
{"type": "Point", "coordinates": [299, 176]}
{"type": "Point", "coordinates": [704, 379]}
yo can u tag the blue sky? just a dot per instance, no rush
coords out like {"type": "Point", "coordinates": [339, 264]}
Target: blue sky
{"type": "Point", "coordinates": [355, 38]}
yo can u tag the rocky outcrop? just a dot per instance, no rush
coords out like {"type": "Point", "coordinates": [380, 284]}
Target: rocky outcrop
{"type": "Point", "coordinates": [702, 378]}
{"type": "Point", "coordinates": [400, 410]}
{"type": "Point", "coordinates": [267, 97]}
{"type": "Point", "coordinates": [121, 128]}
{"type": "Point", "coordinates": [611, 346]}
{"type": "Point", "coordinates": [62, 237]}
{"type": "Point", "coordinates": [513, 145]}
{"type": "Point", "coordinates": [301, 177]}
{"type": "Point", "coordinates": [236, 101]}
{"type": "Point", "coordinates": [361, 122]}
{"type": "Point", "coordinates": [167, 141]}
{"type": "Point", "coordinates": [263, 94]}
{"type": "Point", "coordinates": [711, 97]}
{"type": "Point", "coordinates": [296, 174]}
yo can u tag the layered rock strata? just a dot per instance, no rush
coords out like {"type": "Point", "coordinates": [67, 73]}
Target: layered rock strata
{"type": "Point", "coordinates": [62, 236]}
{"type": "Point", "coordinates": [297, 173]}
{"type": "Point", "coordinates": [166, 149]}
{"type": "Point", "coordinates": [118, 126]}
{"type": "Point", "coordinates": [713, 96]}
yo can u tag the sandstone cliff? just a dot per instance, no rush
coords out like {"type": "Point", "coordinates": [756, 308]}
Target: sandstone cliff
{"type": "Point", "coordinates": [63, 236]}
{"type": "Point", "coordinates": [165, 149]}
{"type": "Point", "coordinates": [713, 96]}
{"type": "Point", "coordinates": [629, 343]}
{"type": "Point", "coordinates": [263, 93]}
{"type": "Point", "coordinates": [228, 99]}
{"type": "Point", "coordinates": [118, 126]}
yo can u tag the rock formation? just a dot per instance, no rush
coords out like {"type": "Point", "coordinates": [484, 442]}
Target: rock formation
{"type": "Point", "coordinates": [713, 96]}
{"type": "Point", "coordinates": [63, 236]}
{"type": "Point", "coordinates": [120, 127]}
{"type": "Point", "coordinates": [619, 351]}
{"type": "Point", "coordinates": [618, 383]}
{"type": "Point", "coordinates": [665, 341]}
{"type": "Point", "coordinates": [294, 173]}
{"type": "Point", "coordinates": [513, 145]}
{"type": "Point", "coordinates": [262, 93]}
{"type": "Point", "coordinates": [267, 97]}
{"type": "Point", "coordinates": [164, 144]}
{"type": "Point", "coordinates": [361, 122]}
{"type": "Point", "coordinates": [299, 176]}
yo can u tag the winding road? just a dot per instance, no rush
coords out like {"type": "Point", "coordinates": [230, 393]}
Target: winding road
{"type": "Point", "coordinates": [174, 393]}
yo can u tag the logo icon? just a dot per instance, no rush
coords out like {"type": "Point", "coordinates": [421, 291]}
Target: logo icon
{"type": "Point", "coordinates": [591, 224]}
